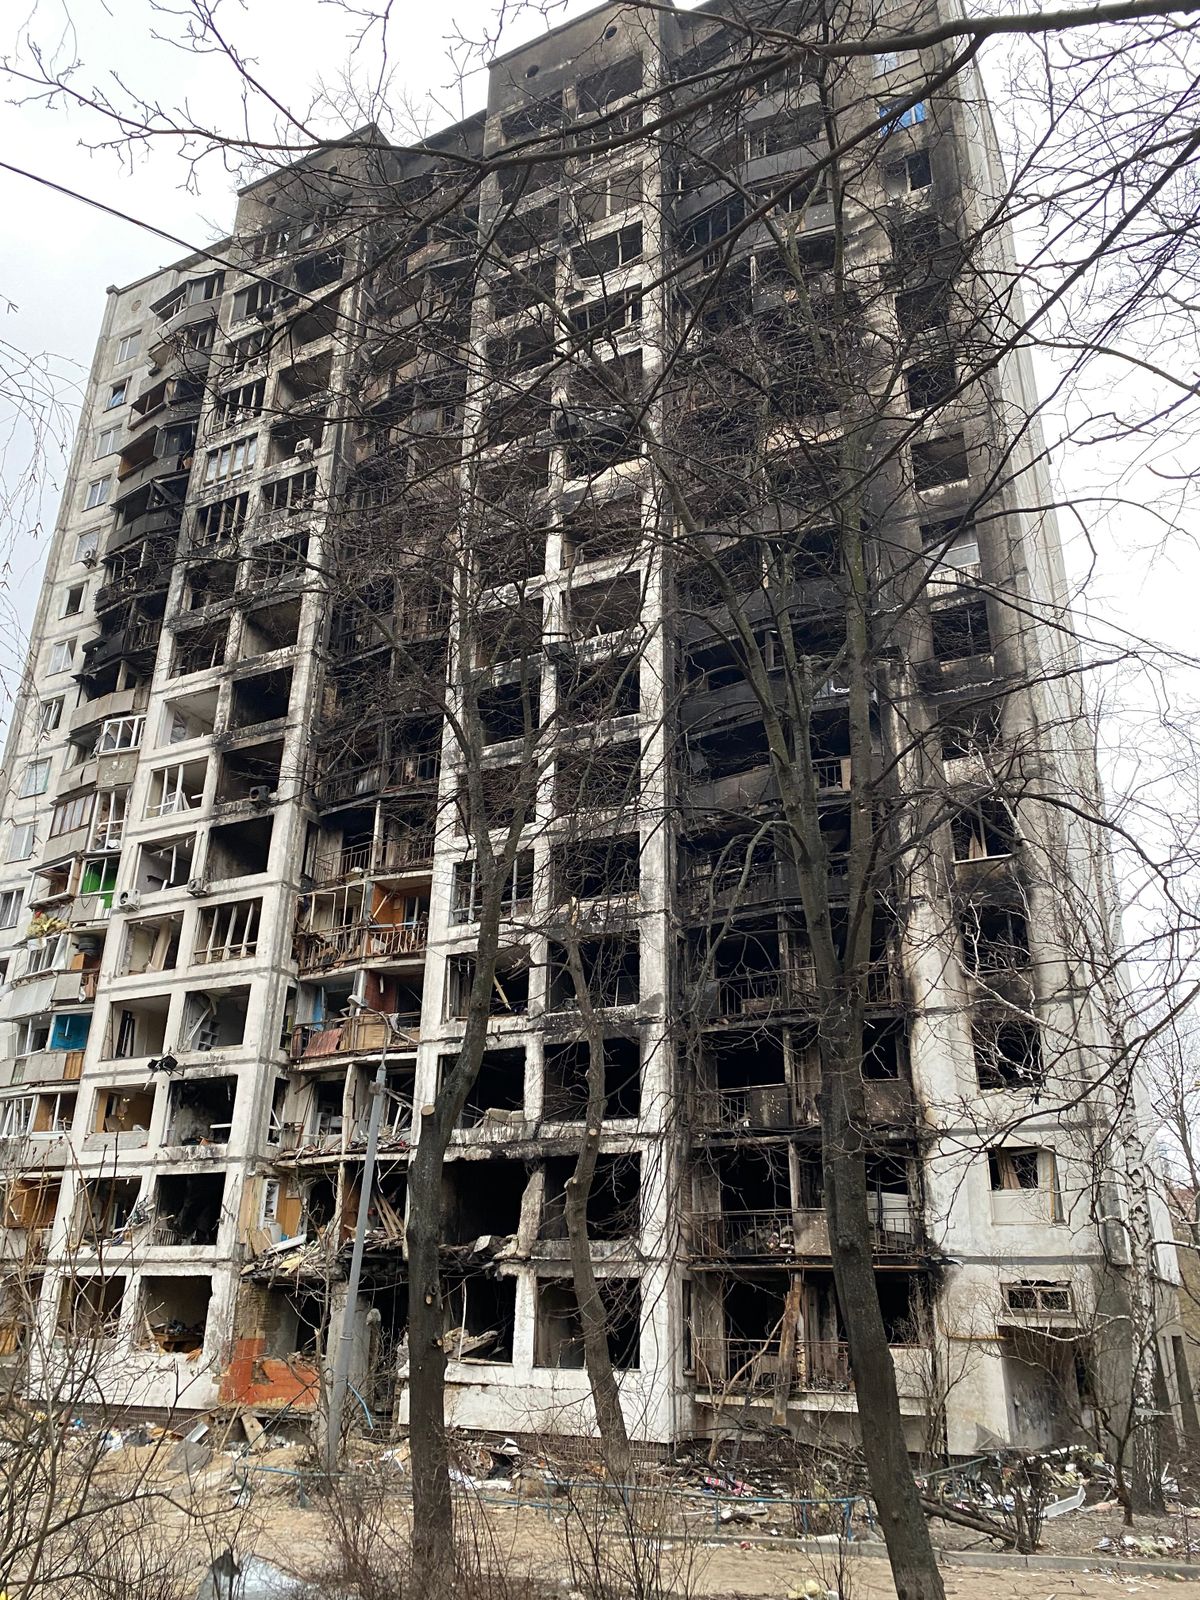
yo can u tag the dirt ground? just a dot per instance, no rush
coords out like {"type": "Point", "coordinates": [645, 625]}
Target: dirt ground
{"type": "Point", "coordinates": [531, 1542]}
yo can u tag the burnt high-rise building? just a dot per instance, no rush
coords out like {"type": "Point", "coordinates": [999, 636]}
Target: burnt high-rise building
{"type": "Point", "coordinates": [429, 504]}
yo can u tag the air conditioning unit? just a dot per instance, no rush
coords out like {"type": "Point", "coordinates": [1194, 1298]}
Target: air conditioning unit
{"type": "Point", "coordinates": [128, 900]}
{"type": "Point", "coordinates": [304, 447]}
{"type": "Point", "coordinates": [197, 886]}
{"type": "Point", "coordinates": [260, 794]}
{"type": "Point", "coordinates": [92, 558]}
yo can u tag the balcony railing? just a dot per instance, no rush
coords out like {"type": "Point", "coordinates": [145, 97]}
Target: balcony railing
{"type": "Point", "coordinates": [749, 1366]}
{"type": "Point", "coordinates": [757, 1105]}
{"type": "Point", "coordinates": [337, 947]}
{"type": "Point", "coordinates": [387, 855]}
{"type": "Point", "coordinates": [764, 1235]}
{"type": "Point", "coordinates": [363, 1033]}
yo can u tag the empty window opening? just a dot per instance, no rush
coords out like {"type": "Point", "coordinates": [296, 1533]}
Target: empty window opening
{"type": "Point", "coordinates": [209, 582]}
{"type": "Point", "coordinates": [188, 1208]}
{"type": "Point", "coordinates": [261, 699]}
{"type": "Point", "coordinates": [601, 608]}
{"type": "Point", "coordinates": [597, 868]}
{"type": "Point", "coordinates": [227, 932]}
{"type": "Point", "coordinates": [90, 1308]}
{"type": "Point", "coordinates": [151, 945]}
{"type": "Point", "coordinates": [1008, 1054]}
{"type": "Point", "coordinates": [610, 971]}
{"type": "Point", "coordinates": [565, 1085]}
{"type": "Point", "coordinates": [250, 774]}
{"type": "Point", "coordinates": [481, 1198]}
{"type": "Point", "coordinates": [969, 730]}
{"type": "Point", "coordinates": [509, 710]}
{"type": "Point", "coordinates": [199, 649]}
{"type": "Point", "coordinates": [174, 1313]}
{"type": "Point", "coordinates": [200, 1111]}
{"type": "Point", "coordinates": [498, 1090]}
{"type": "Point", "coordinates": [595, 532]}
{"type": "Point", "coordinates": [481, 1314]}
{"type": "Point", "coordinates": [509, 992]}
{"type": "Point", "coordinates": [165, 864]}
{"type": "Point", "coordinates": [598, 779]}
{"type": "Point", "coordinates": [137, 1028]}
{"type": "Point", "coordinates": [103, 1210]}
{"type": "Point", "coordinates": [982, 831]}
{"type": "Point", "coordinates": [995, 938]}
{"type": "Point", "coordinates": [509, 634]}
{"type": "Point", "coordinates": [613, 1203]}
{"type": "Point", "coordinates": [270, 628]}
{"type": "Point", "coordinates": [884, 1049]}
{"type": "Point", "coordinates": [558, 1337]}
{"type": "Point", "coordinates": [214, 1019]}
{"type": "Point", "coordinates": [123, 1110]}
{"type": "Point", "coordinates": [594, 691]}
{"type": "Point", "coordinates": [929, 385]}
{"type": "Point", "coordinates": [961, 631]}
{"type": "Point", "coordinates": [940, 461]}
{"type": "Point", "coordinates": [239, 849]}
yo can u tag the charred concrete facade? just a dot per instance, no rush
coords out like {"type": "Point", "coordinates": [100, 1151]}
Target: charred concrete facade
{"type": "Point", "coordinates": [237, 861]}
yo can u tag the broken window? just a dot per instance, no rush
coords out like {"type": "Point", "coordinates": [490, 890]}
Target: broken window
{"type": "Point", "coordinates": [499, 1088]}
{"type": "Point", "coordinates": [931, 384]}
{"type": "Point", "coordinates": [1038, 1295]}
{"type": "Point", "coordinates": [1024, 1184]}
{"type": "Point", "coordinates": [558, 1337]}
{"type": "Point", "coordinates": [593, 532]}
{"type": "Point", "coordinates": [602, 608]}
{"type": "Point", "coordinates": [592, 691]}
{"type": "Point", "coordinates": [270, 628]}
{"type": "Point", "coordinates": [509, 994]}
{"type": "Point", "coordinates": [151, 945]}
{"type": "Point", "coordinates": [466, 894]}
{"type": "Point", "coordinates": [610, 971]}
{"type": "Point", "coordinates": [1008, 1054]}
{"type": "Point", "coordinates": [174, 1312]}
{"type": "Point", "coordinates": [508, 710]}
{"type": "Point", "coordinates": [940, 461]}
{"type": "Point", "coordinates": [165, 863]}
{"type": "Point", "coordinates": [199, 649]}
{"type": "Point", "coordinates": [608, 253]}
{"type": "Point", "coordinates": [983, 831]}
{"type": "Point", "coordinates": [90, 1308]}
{"type": "Point", "coordinates": [565, 1087]}
{"type": "Point", "coordinates": [188, 1208]}
{"type": "Point", "coordinates": [227, 932]}
{"type": "Point", "coordinates": [594, 868]}
{"type": "Point", "coordinates": [103, 1210]}
{"type": "Point", "coordinates": [214, 1019]}
{"type": "Point", "coordinates": [961, 631]}
{"type": "Point", "coordinates": [200, 1111]}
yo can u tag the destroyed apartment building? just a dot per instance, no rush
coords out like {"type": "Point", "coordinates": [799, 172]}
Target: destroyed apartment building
{"type": "Point", "coordinates": [239, 864]}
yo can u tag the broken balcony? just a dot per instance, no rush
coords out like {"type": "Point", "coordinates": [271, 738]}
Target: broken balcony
{"type": "Point", "coordinates": [249, 775]}
{"type": "Point", "coordinates": [106, 1211]}
{"type": "Point", "coordinates": [239, 849]}
{"type": "Point", "coordinates": [214, 1019]}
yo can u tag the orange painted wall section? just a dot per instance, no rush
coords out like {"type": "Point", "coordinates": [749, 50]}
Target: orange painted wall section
{"type": "Point", "coordinates": [268, 1382]}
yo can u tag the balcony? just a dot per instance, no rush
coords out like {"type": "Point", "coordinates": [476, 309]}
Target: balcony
{"type": "Point", "coordinates": [388, 857]}
{"type": "Point", "coordinates": [108, 707]}
{"type": "Point", "coordinates": [361, 1034]}
{"type": "Point", "coordinates": [789, 1234]}
{"type": "Point", "coordinates": [318, 950]}
{"type": "Point", "coordinates": [753, 1367]}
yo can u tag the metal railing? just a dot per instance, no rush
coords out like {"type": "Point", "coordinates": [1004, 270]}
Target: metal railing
{"type": "Point", "coordinates": [795, 1231]}
{"type": "Point", "coordinates": [387, 855]}
{"type": "Point", "coordinates": [362, 1032]}
{"type": "Point", "coordinates": [335, 947]}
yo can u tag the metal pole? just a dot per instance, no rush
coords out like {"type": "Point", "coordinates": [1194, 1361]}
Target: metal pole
{"type": "Point", "coordinates": [341, 1363]}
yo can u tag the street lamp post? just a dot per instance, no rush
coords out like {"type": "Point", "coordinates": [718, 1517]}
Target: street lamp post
{"type": "Point", "coordinates": [341, 1362]}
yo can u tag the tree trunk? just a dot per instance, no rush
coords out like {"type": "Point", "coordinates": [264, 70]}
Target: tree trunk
{"type": "Point", "coordinates": [843, 1118]}
{"type": "Point", "coordinates": [433, 1512]}
{"type": "Point", "coordinates": [606, 1395]}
